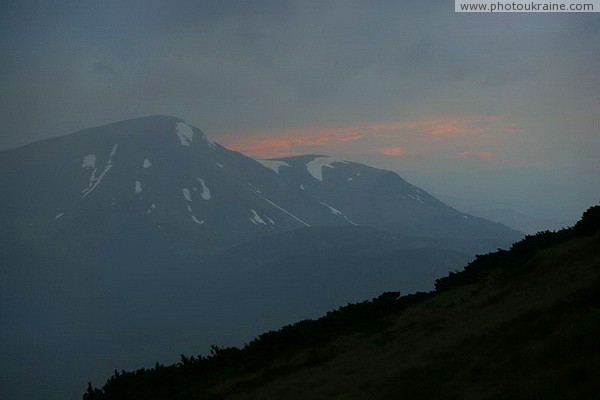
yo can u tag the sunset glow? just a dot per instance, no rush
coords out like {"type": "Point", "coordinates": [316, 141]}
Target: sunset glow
{"type": "Point", "coordinates": [387, 138]}
{"type": "Point", "coordinates": [393, 151]}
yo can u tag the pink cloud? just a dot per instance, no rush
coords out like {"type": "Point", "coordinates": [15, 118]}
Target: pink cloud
{"type": "Point", "coordinates": [393, 151]}
{"type": "Point", "coordinates": [339, 137]}
{"type": "Point", "coordinates": [442, 132]}
{"type": "Point", "coordinates": [292, 141]}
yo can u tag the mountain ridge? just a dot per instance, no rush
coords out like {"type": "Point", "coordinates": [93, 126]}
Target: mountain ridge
{"type": "Point", "coordinates": [205, 197]}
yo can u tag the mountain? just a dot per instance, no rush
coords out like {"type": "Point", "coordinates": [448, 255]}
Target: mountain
{"type": "Point", "coordinates": [516, 324]}
{"type": "Point", "coordinates": [126, 244]}
{"type": "Point", "coordinates": [167, 177]}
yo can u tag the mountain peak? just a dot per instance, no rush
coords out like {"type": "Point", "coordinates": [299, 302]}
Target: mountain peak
{"type": "Point", "coordinates": [184, 130]}
{"type": "Point", "coordinates": [165, 173]}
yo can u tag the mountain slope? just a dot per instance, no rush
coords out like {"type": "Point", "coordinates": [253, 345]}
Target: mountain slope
{"type": "Point", "coordinates": [380, 198]}
{"type": "Point", "coordinates": [516, 324]}
{"type": "Point", "coordinates": [201, 197]}
{"type": "Point", "coordinates": [196, 193]}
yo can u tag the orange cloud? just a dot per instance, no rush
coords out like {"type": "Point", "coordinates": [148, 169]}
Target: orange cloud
{"type": "Point", "coordinates": [264, 147]}
{"type": "Point", "coordinates": [339, 137]}
{"type": "Point", "coordinates": [480, 155]}
{"type": "Point", "coordinates": [381, 137]}
{"type": "Point", "coordinates": [292, 141]}
{"type": "Point", "coordinates": [393, 151]}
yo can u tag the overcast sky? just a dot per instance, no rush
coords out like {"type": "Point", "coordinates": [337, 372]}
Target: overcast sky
{"type": "Point", "coordinates": [405, 85]}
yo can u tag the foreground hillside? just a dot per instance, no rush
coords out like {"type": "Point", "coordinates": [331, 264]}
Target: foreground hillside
{"type": "Point", "coordinates": [517, 324]}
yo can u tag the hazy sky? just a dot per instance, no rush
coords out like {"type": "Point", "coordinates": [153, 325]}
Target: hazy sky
{"type": "Point", "coordinates": [405, 85]}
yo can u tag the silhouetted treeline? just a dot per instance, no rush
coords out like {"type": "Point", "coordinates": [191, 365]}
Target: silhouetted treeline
{"type": "Point", "coordinates": [589, 224]}
{"type": "Point", "coordinates": [201, 370]}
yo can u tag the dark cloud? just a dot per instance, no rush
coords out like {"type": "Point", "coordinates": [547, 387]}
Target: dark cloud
{"type": "Point", "coordinates": [242, 67]}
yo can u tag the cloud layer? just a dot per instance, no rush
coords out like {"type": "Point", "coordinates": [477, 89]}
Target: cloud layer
{"type": "Point", "coordinates": [446, 138]}
{"type": "Point", "coordinates": [278, 77]}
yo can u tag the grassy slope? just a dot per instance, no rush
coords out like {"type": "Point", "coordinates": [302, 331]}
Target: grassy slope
{"type": "Point", "coordinates": [522, 324]}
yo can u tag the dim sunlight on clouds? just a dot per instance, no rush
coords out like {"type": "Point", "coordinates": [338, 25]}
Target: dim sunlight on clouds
{"type": "Point", "coordinates": [393, 151]}
{"type": "Point", "coordinates": [480, 155]}
{"type": "Point", "coordinates": [292, 141]}
{"type": "Point", "coordinates": [443, 132]}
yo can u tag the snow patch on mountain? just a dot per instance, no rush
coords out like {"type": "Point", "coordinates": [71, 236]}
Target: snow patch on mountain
{"type": "Point", "coordinates": [315, 167]}
{"type": "Point", "coordinates": [210, 143]}
{"type": "Point", "coordinates": [196, 220]}
{"type": "Point", "coordinates": [112, 153]}
{"type": "Point", "coordinates": [188, 197]}
{"type": "Point", "coordinates": [89, 161]}
{"type": "Point", "coordinates": [185, 133]}
{"type": "Point", "coordinates": [91, 182]}
{"type": "Point", "coordinates": [259, 194]}
{"type": "Point", "coordinates": [416, 197]}
{"type": "Point", "coordinates": [147, 163]}
{"type": "Point", "coordinates": [334, 210]}
{"type": "Point", "coordinates": [337, 212]}
{"type": "Point", "coordinates": [205, 190]}
{"type": "Point", "coordinates": [272, 164]}
{"type": "Point", "coordinates": [255, 188]}
{"type": "Point", "coordinates": [95, 181]}
{"type": "Point", "coordinates": [256, 219]}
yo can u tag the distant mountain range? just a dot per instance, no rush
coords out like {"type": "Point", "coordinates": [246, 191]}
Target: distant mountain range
{"type": "Point", "coordinates": [202, 197]}
{"type": "Point", "coordinates": [124, 244]}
